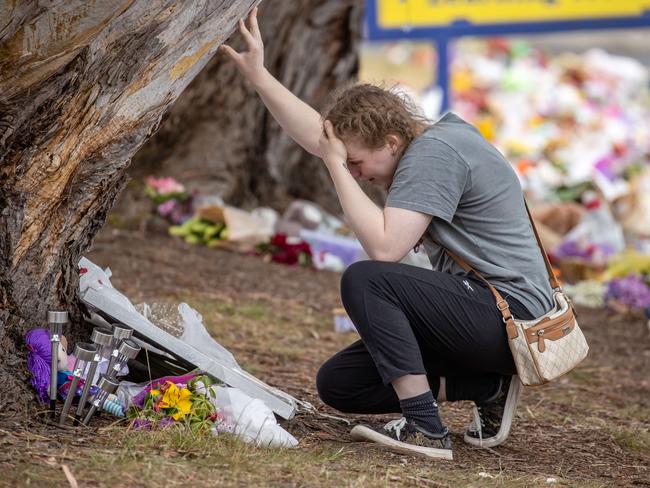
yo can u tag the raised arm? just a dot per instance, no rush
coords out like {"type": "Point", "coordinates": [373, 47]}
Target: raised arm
{"type": "Point", "coordinates": [299, 120]}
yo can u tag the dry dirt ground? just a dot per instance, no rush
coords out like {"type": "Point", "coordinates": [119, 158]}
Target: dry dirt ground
{"type": "Point", "coordinates": [588, 429]}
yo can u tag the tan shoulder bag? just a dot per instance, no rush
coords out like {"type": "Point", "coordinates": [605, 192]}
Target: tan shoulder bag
{"type": "Point", "coordinates": [546, 347]}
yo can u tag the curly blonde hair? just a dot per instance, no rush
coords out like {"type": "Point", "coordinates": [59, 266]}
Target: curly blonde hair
{"type": "Point", "coordinates": [369, 113]}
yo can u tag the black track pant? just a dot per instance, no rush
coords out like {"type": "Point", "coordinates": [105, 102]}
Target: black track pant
{"type": "Point", "coordinates": [415, 321]}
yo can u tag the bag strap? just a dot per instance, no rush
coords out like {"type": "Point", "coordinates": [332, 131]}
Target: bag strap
{"type": "Point", "coordinates": [549, 269]}
{"type": "Point", "coordinates": [502, 304]}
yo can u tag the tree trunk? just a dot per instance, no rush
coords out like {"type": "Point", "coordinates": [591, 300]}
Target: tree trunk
{"type": "Point", "coordinates": [220, 139]}
{"type": "Point", "coordinates": [83, 83]}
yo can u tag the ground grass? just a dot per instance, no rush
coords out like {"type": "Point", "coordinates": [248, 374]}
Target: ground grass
{"type": "Point", "coordinates": [117, 456]}
{"type": "Point", "coordinates": [636, 440]}
{"type": "Point", "coordinates": [177, 459]}
{"type": "Point", "coordinates": [589, 429]}
{"type": "Point", "coordinates": [260, 329]}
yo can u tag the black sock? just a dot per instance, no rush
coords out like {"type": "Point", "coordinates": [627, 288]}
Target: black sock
{"type": "Point", "coordinates": [478, 389]}
{"type": "Point", "coordinates": [423, 410]}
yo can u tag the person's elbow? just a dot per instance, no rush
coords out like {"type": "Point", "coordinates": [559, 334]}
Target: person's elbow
{"type": "Point", "coordinates": [389, 254]}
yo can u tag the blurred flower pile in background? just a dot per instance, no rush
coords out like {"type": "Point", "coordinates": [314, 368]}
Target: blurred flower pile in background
{"type": "Point", "coordinates": [565, 122]}
{"type": "Point", "coordinates": [172, 200]}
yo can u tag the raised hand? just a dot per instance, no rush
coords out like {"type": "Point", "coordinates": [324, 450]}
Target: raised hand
{"type": "Point", "coordinates": [299, 120]}
{"type": "Point", "coordinates": [250, 62]}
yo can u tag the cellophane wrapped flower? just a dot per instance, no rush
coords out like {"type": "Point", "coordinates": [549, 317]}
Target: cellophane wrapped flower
{"type": "Point", "coordinates": [632, 291]}
{"type": "Point", "coordinates": [287, 250]}
{"type": "Point", "coordinates": [178, 404]}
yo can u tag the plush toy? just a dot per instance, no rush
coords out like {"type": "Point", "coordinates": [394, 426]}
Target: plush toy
{"type": "Point", "coordinates": [37, 342]}
{"type": "Point", "coordinates": [62, 363]}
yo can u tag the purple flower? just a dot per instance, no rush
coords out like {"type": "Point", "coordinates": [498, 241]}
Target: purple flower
{"type": "Point", "coordinates": [223, 426]}
{"type": "Point", "coordinates": [165, 422]}
{"type": "Point", "coordinates": [142, 424]}
{"type": "Point", "coordinates": [570, 248]}
{"type": "Point", "coordinates": [167, 207]}
{"type": "Point", "coordinates": [631, 291]}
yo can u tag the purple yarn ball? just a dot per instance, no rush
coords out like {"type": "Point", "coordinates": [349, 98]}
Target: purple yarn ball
{"type": "Point", "coordinates": [38, 361]}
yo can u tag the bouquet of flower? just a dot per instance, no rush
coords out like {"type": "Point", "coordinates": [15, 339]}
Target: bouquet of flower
{"type": "Point", "coordinates": [287, 250]}
{"type": "Point", "coordinates": [160, 190]}
{"type": "Point", "coordinates": [173, 403]}
{"type": "Point", "coordinates": [196, 230]}
{"type": "Point", "coordinates": [631, 291]}
{"type": "Point", "coordinates": [172, 200]}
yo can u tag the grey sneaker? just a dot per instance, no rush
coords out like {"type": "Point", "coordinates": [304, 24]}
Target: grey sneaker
{"type": "Point", "coordinates": [407, 436]}
{"type": "Point", "coordinates": [493, 418]}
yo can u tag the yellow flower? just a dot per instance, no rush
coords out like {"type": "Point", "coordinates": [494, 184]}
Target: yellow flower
{"type": "Point", "coordinates": [151, 399]}
{"type": "Point", "coordinates": [177, 399]}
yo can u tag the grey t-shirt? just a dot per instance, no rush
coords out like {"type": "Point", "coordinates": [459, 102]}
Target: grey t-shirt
{"type": "Point", "coordinates": [453, 174]}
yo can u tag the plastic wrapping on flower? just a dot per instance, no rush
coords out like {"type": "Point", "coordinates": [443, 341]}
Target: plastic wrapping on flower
{"type": "Point", "coordinates": [138, 399]}
{"type": "Point", "coordinates": [251, 419]}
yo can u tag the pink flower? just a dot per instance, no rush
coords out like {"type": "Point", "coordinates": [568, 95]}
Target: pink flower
{"type": "Point", "coordinates": [214, 416]}
{"type": "Point", "coordinates": [152, 182]}
{"type": "Point", "coordinates": [224, 426]}
{"type": "Point", "coordinates": [167, 207]}
{"type": "Point", "coordinates": [165, 186]}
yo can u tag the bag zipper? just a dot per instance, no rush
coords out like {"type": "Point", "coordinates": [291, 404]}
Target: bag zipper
{"type": "Point", "coordinates": [540, 331]}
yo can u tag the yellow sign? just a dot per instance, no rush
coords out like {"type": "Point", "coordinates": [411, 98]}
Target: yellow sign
{"type": "Point", "coordinates": [392, 14]}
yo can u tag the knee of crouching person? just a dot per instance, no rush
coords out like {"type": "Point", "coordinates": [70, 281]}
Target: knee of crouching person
{"type": "Point", "coordinates": [351, 275]}
{"type": "Point", "coordinates": [326, 384]}
{"type": "Point", "coordinates": [355, 277]}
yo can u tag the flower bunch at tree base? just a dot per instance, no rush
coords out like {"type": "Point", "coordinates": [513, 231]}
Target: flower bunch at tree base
{"type": "Point", "coordinates": [179, 405]}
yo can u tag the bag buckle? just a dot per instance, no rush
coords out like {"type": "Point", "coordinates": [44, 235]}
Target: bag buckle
{"type": "Point", "coordinates": [506, 307]}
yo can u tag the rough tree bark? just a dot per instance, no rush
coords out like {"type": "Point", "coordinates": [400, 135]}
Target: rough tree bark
{"type": "Point", "coordinates": [83, 83]}
{"type": "Point", "coordinates": [218, 137]}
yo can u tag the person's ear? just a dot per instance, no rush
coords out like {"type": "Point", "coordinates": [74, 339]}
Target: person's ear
{"type": "Point", "coordinates": [393, 142]}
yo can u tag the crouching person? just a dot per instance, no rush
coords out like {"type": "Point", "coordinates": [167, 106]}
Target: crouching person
{"type": "Point", "coordinates": [426, 335]}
